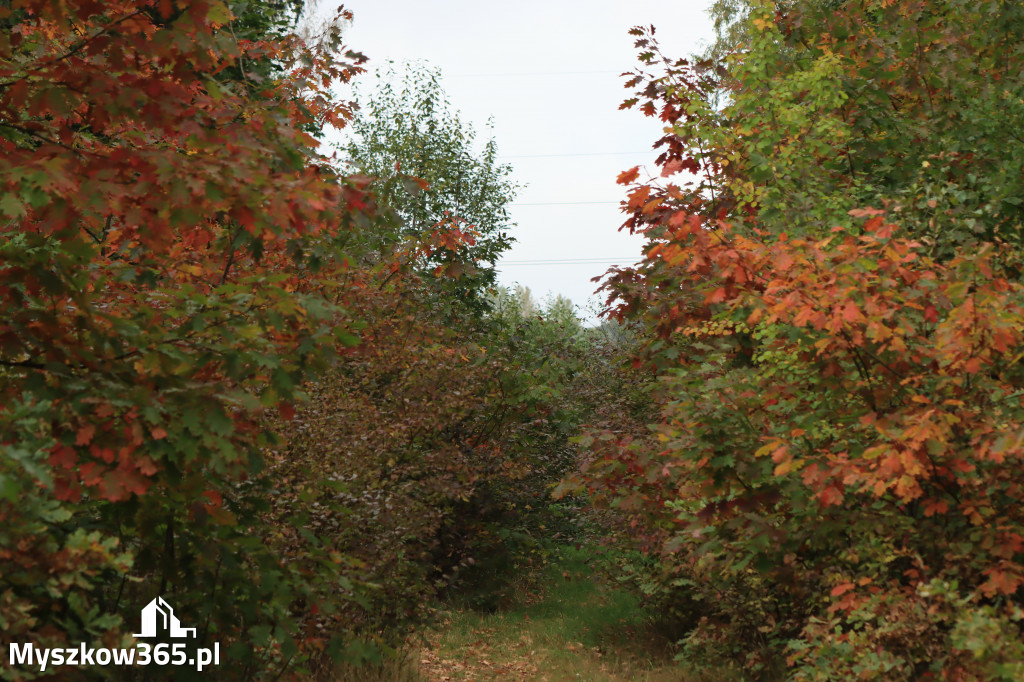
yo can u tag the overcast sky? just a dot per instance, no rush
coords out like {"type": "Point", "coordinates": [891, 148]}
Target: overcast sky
{"type": "Point", "coordinates": [548, 72]}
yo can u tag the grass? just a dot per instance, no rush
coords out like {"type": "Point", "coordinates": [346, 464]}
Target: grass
{"type": "Point", "coordinates": [566, 625]}
{"type": "Point", "coordinates": [391, 670]}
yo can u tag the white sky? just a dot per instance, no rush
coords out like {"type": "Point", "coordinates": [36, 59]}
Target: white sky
{"type": "Point", "coordinates": [548, 72]}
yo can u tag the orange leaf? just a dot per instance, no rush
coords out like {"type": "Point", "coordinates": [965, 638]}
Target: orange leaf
{"type": "Point", "coordinates": [638, 197]}
{"type": "Point", "coordinates": [863, 212]}
{"type": "Point", "coordinates": [841, 588]}
{"type": "Point", "coordinates": [629, 176]}
{"type": "Point", "coordinates": [851, 313]}
{"type": "Point", "coordinates": [830, 495]}
{"type": "Point", "coordinates": [1001, 581]}
{"type": "Point", "coordinates": [716, 296]}
{"type": "Point", "coordinates": [933, 507]}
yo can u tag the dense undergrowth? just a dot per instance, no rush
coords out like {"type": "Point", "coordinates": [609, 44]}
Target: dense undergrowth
{"type": "Point", "coordinates": [287, 399]}
{"type": "Point", "coordinates": [233, 377]}
{"type": "Point", "coordinates": [831, 304]}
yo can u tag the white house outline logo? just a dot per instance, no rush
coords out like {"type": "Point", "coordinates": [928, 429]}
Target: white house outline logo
{"type": "Point", "coordinates": [159, 613]}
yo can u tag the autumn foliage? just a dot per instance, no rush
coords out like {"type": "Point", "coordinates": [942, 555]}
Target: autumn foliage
{"type": "Point", "coordinates": [175, 262]}
{"type": "Point", "coordinates": [228, 377]}
{"type": "Point", "coordinates": [832, 299]}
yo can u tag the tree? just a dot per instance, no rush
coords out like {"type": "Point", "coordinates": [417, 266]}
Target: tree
{"type": "Point", "coordinates": [175, 260]}
{"type": "Point", "coordinates": [830, 302]}
{"type": "Point", "coordinates": [560, 310]}
{"type": "Point", "coordinates": [512, 304]}
{"type": "Point", "coordinates": [424, 158]}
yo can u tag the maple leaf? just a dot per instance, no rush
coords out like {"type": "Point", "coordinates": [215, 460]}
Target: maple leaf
{"type": "Point", "coordinates": [933, 507]}
{"type": "Point", "coordinates": [85, 434]}
{"type": "Point", "coordinates": [670, 167]}
{"type": "Point", "coordinates": [63, 456]}
{"type": "Point", "coordinates": [1004, 579]}
{"type": "Point", "coordinates": [831, 495]}
{"type": "Point", "coordinates": [629, 176]}
{"type": "Point", "coordinates": [851, 313]}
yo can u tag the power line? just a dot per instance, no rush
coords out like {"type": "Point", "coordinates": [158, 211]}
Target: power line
{"type": "Point", "coordinates": [563, 267]}
{"type": "Point", "coordinates": [528, 73]}
{"type": "Point", "coordinates": [548, 156]}
{"type": "Point", "coordinates": [573, 261]}
{"type": "Point", "coordinates": [565, 203]}
{"type": "Point", "coordinates": [566, 258]}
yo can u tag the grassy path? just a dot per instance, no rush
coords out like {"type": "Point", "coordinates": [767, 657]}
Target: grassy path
{"type": "Point", "coordinates": [575, 629]}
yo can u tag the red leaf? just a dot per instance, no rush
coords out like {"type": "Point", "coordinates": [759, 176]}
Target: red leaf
{"type": "Point", "coordinates": [671, 167]}
{"type": "Point", "coordinates": [146, 466]}
{"type": "Point", "coordinates": [64, 457]}
{"type": "Point", "coordinates": [67, 490]}
{"type": "Point", "coordinates": [245, 218]}
{"type": "Point", "coordinates": [85, 434]}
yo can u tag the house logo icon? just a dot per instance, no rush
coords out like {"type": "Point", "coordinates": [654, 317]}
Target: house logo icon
{"type": "Point", "coordinates": [158, 615]}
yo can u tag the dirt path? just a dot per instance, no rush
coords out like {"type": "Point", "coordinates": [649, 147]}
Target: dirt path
{"type": "Point", "coordinates": [576, 629]}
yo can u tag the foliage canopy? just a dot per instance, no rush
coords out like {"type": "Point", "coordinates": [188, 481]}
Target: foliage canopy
{"type": "Point", "coordinates": [424, 157]}
{"type": "Point", "coordinates": [831, 297]}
